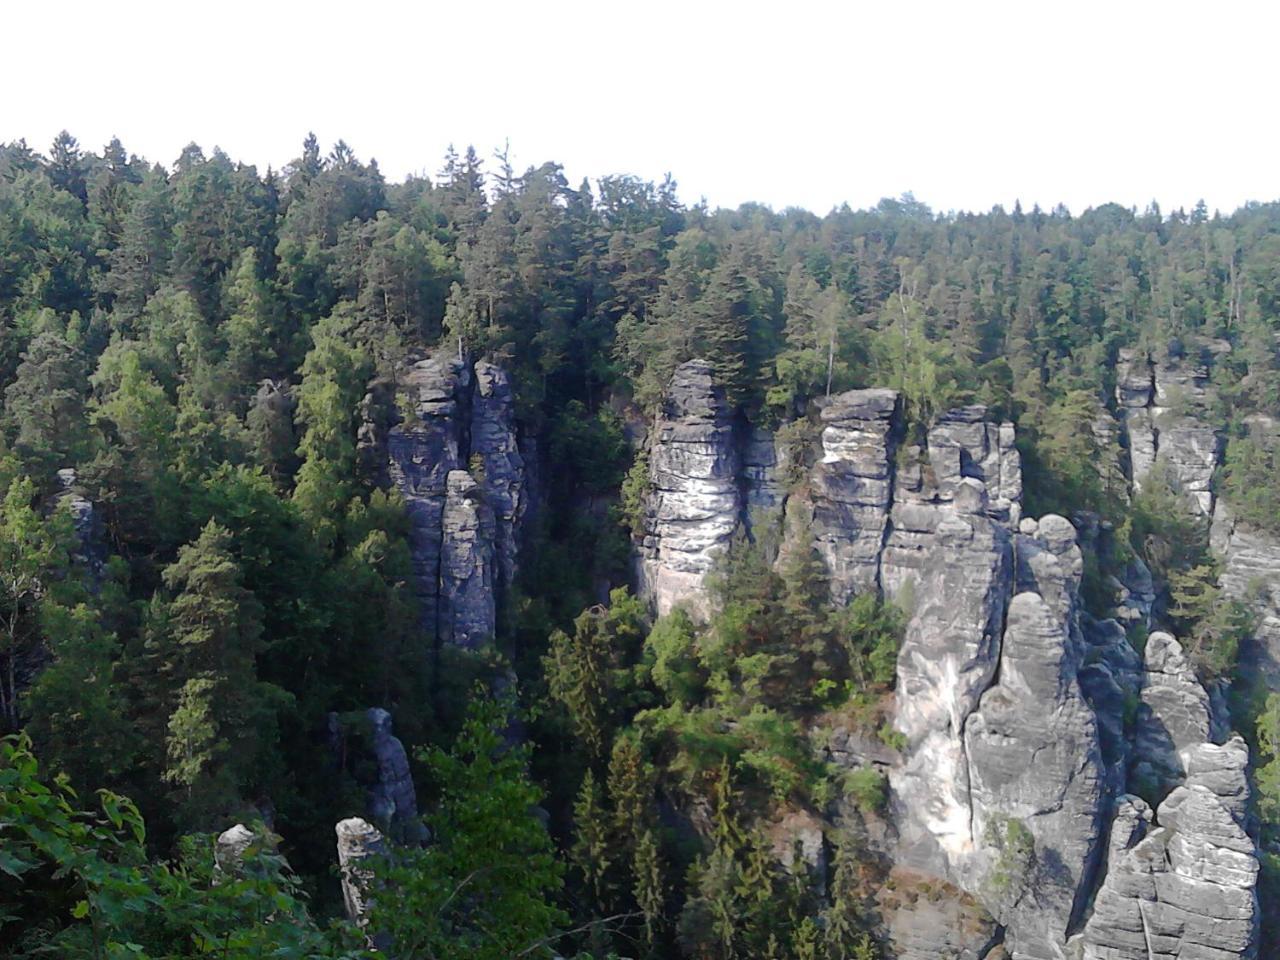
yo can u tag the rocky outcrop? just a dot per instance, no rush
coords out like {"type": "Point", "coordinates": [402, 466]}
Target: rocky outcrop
{"type": "Point", "coordinates": [90, 553]}
{"type": "Point", "coordinates": [454, 454]}
{"type": "Point", "coordinates": [467, 564]}
{"type": "Point", "coordinates": [357, 841]}
{"type": "Point", "coordinates": [1174, 714]}
{"type": "Point", "coordinates": [1033, 750]}
{"type": "Point", "coordinates": [947, 559]}
{"type": "Point", "coordinates": [694, 504]}
{"type": "Point", "coordinates": [496, 450]}
{"type": "Point", "coordinates": [424, 447]}
{"type": "Point", "coordinates": [229, 851]}
{"type": "Point", "coordinates": [763, 467]}
{"type": "Point", "coordinates": [928, 919]}
{"type": "Point", "coordinates": [851, 488]}
{"type": "Point", "coordinates": [1181, 883]}
{"type": "Point", "coordinates": [1251, 573]}
{"type": "Point", "coordinates": [392, 799]}
{"type": "Point", "coordinates": [1162, 401]}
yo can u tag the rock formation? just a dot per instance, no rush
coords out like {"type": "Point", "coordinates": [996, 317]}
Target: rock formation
{"type": "Point", "coordinates": [1033, 747]}
{"type": "Point", "coordinates": [357, 841]}
{"type": "Point", "coordinates": [1025, 720]}
{"type": "Point", "coordinates": [454, 454]}
{"type": "Point", "coordinates": [1173, 715]}
{"type": "Point", "coordinates": [1160, 399]}
{"type": "Point", "coordinates": [392, 799]}
{"type": "Point", "coordinates": [1251, 572]}
{"type": "Point", "coordinates": [852, 488]}
{"type": "Point", "coordinates": [695, 503]}
{"type": "Point", "coordinates": [1181, 883]}
{"type": "Point", "coordinates": [91, 552]}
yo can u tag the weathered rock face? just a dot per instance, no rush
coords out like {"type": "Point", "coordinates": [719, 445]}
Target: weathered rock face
{"type": "Point", "coordinates": [852, 488]}
{"type": "Point", "coordinates": [495, 445]}
{"type": "Point", "coordinates": [1033, 747]}
{"type": "Point", "coordinates": [1181, 885]}
{"type": "Point", "coordinates": [464, 533]}
{"type": "Point", "coordinates": [1251, 572]}
{"type": "Point", "coordinates": [467, 564]}
{"type": "Point", "coordinates": [91, 551]}
{"type": "Point", "coordinates": [695, 504]}
{"type": "Point", "coordinates": [763, 466]}
{"type": "Point", "coordinates": [1160, 400]}
{"type": "Point", "coordinates": [1174, 714]}
{"type": "Point", "coordinates": [928, 919]}
{"type": "Point", "coordinates": [423, 448]}
{"type": "Point", "coordinates": [393, 801]}
{"type": "Point", "coordinates": [229, 851]}
{"type": "Point", "coordinates": [357, 841]}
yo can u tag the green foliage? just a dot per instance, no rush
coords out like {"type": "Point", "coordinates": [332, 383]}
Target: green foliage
{"type": "Point", "coordinates": [869, 789]}
{"type": "Point", "coordinates": [486, 884]}
{"type": "Point", "coordinates": [1249, 483]}
{"type": "Point", "coordinates": [85, 888]}
{"type": "Point", "coordinates": [1015, 854]}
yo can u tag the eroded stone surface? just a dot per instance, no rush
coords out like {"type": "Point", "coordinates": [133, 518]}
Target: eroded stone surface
{"type": "Point", "coordinates": [1174, 714]}
{"type": "Point", "coordinates": [694, 504]}
{"type": "Point", "coordinates": [851, 488]}
{"type": "Point", "coordinates": [357, 841]}
{"type": "Point", "coordinates": [467, 612]}
{"type": "Point", "coordinates": [1181, 884]}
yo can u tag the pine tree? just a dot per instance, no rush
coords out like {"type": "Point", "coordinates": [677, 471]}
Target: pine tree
{"type": "Point", "coordinates": [591, 851]}
{"type": "Point", "coordinates": [221, 729]}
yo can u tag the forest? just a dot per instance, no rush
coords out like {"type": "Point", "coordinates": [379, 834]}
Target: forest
{"type": "Point", "coordinates": [189, 356]}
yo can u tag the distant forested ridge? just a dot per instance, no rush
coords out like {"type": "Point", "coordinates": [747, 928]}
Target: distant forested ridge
{"type": "Point", "coordinates": [211, 568]}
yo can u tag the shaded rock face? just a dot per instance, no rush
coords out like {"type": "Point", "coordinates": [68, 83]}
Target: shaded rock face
{"type": "Point", "coordinates": [928, 919]}
{"type": "Point", "coordinates": [1251, 572]}
{"type": "Point", "coordinates": [1034, 749]}
{"type": "Point", "coordinates": [1159, 399]}
{"type": "Point", "coordinates": [695, 502]}
{"type": "Point", "coordinates": [392, 800]}
{"type": "Point", "coordinates": [1174, 714]}
{"type": "Point", "coordinates": [1181, 883]}
{"type": "Point", "coordinates": [460, 416]}
{"type": "Point", "coordinates": [91, 551]}
{"type": "Point", "coordinates": [468, 558]}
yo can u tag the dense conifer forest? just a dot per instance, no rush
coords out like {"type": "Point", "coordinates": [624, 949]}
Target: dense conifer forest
{"type": "Point", "coordinates": [189, 356]}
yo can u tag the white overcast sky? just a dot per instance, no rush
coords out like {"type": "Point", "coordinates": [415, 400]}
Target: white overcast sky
{"type": "Point", "coordinates": [789, 103]}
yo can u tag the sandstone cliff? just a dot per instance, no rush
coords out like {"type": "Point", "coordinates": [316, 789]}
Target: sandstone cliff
{"type": "Point", "coordinates": [450, 444]}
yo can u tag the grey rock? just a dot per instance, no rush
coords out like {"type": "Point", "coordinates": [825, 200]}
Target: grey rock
{"type": "Point", "coordinates": [851, 488]}
{"type": "Point", "coordinates": [90, 551]}
{"type": "Point", "coordinates": [763, 463]}
{"type": "Point", "coordinates": [928, 919]}
{"type": "Point", "coordinates": [392, 800]}
{"type": "Point", "coordinates": [357, 841]}
{"type": "Point", "coordinates": [495, 446]}
{"type": "Point", "coordinates": [1174, 714]}
{"type": "Point", "coordinates": [955, 576]}
{"type": "Point", "coordinates": [1183, 885]}
{"type": "Point", "coordinates": [694, 503]}
{"type": "Point", "coordinates": [229, 850]}
{"type": "Point", "coordinates": [1110, 679]}
{"type": "Point", "coordinates": [1162, 402]}
{"type": "Point", "coordinates": [460, 416]}
{"type": "Point", "coordinates": [467, 613]}
{"type": "Point", "coordinates": [426, 446]}
{"type": "Point", "coordinates": [1251, 572]}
